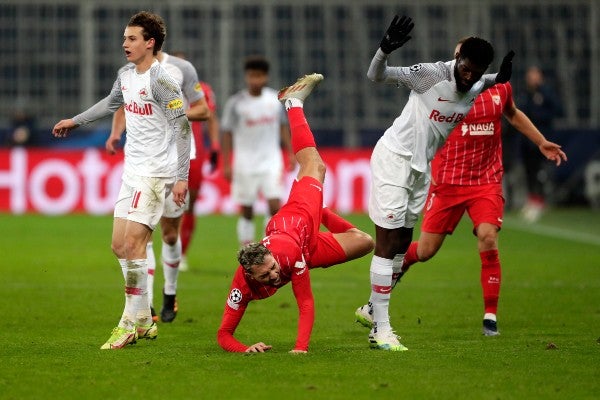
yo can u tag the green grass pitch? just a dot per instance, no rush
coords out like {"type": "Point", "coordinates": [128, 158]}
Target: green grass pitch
{"type": "Point", "coordinates": [61, 294]}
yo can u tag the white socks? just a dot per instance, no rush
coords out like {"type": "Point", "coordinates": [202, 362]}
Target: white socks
{"type": "Point", "coordinates": [245, 230]}
{"type": "Point", "coordinates": [293, 102]}
{"type": "Point", "coordinates": [136, 295]}
{"type": "Point", "coordinates": [381, 286]}
{"type": "Point", "coordinates": [171, 256]}
{"type": "Point", "coordinates": [151, 262]}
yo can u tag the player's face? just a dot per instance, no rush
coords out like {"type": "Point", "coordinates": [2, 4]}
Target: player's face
{"type": "Point", "coordinates": [267, 273]}
{"type": "Point", "coordinates": [134, 44]}
{"type": "Point", "coordinates": [467, 73]}
{"type": "Point", "coordinates": [255, 81]}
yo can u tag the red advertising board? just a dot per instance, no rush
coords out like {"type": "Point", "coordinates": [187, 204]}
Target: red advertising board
{"type": "Point", "coordinates": [50, 181]}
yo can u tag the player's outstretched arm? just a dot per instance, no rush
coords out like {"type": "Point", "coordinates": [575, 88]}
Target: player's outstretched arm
{"type": "Point", "coordinates": [397, 34]}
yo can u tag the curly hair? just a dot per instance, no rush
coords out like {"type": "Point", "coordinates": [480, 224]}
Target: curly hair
{"type": "Point", "coordinates": [256, 63]}
{"type": "Point", "coordinates": [252, 254]}
{"type": "Point", "coordinates": [477, 50]}
{"type": "Point", "coordinates": [153, 26]}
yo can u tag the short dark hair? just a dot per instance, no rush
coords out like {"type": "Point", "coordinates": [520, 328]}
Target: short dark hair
{"type": "Point", "coordinates": [257, 63]}
{"type": "Point", "coordinates": [478, 51]}
{"type": "Point", "coordinates": [252, 254]}
{"type": "Point", "coordinates": [153, 27]}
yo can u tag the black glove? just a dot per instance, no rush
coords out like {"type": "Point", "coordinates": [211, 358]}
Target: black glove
{"type": "Point", "coordinates": [213, 158]}
{"type": "Point", "coordinates": [397, 34]}
{"type": "Point", "coordinates": [505, 71]}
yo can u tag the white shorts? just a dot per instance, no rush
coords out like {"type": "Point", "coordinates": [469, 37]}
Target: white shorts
{"type": "Point", "coordinates": [398, 192]}
{"type": "Point", "coordinates": [246, 187]}
{"type": "Point", "coordinates": [142, 199]}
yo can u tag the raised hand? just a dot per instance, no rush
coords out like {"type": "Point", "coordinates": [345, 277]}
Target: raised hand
{"type": "Point", "coordinates": [397, 34]}
{"type": "Point", "coordinates": [505, 71]}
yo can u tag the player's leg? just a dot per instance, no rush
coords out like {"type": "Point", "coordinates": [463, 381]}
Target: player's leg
{"type": "Point", "coordinates": [245, 225]}
{"type": "Point", "coordinates": [272, 190]}
{"type": "Point", "coordinates": [188, 221]}
{"type": "Point", "coordinates": [487, 212]}
{"type": "Point", "coordinates": [303, 141]}
{"type": "Point", "coordinates": [171, 257]}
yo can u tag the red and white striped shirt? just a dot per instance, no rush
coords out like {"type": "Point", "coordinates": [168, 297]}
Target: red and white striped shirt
{"type": "Point", "coordinates": [472, 155]}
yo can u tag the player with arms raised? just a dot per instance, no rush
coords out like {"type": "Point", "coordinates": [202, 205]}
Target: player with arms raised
{"type": "Point", "coordinates": [441, 95]}
{"type": "Point", "coordinates": [293, 244]}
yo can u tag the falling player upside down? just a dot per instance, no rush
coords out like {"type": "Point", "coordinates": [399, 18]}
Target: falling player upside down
{"type": "Point", "coordinates": [293, 244]}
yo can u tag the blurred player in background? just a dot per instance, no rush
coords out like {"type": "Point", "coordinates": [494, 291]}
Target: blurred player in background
{"type": "Point", "coordinates": [255, 128]}
{"type": "Point", "coordinates": [188, 221]}
{"type": "Point", "coordinates": [293, 244]}
{"type": "Point", "coordinates": [157, 161]}
{"type": "Point", "coordinates": [441, 95]}
{"type": "Point", "coordinates": [542, 105]}
{"type": "Point", "coordinates": [195, 104]}
{"type": "Point", "coordinates": [466, 175]}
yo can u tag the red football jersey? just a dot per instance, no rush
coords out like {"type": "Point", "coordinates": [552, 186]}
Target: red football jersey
{"type": "Point", "coordinates": [209, 95]}
{"type": "Point", "coordinates": [472, 155]}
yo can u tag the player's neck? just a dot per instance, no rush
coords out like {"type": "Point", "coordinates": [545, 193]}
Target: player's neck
{"type": "Point", "coordinates": [144, 64]}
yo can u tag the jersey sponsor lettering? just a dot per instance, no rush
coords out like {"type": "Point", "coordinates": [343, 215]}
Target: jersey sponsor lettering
{"type": "Point", "coordinates": [453, 118]}
{"type": "Point", "coordinates": [265, 120]}
{"type": "Point", "coordinates": [483, 129]}
{"type": "Point", "coordinates": [175, 104]}
{"type": "Point", "coordinates": [134, 108]}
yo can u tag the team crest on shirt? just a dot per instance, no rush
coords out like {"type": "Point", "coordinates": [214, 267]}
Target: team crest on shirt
{"type": "Point", "coordinates": [234, 299]}
{"type": "Point", "coordinates": [175, 104]}
{"type": "Point", "coordinates": [496, 99]}
{"type": "Point", "coordinates": [143, 94]}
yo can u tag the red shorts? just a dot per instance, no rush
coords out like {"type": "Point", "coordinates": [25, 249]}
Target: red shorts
{"type": "Point", "coordinates": [195, 174]}
{"type": "Point", "coordinates": [446, 205]}
{"type": "Point", "coordinates": [300, 216]}
{"type": "Point", "coordinates": [328, 252]}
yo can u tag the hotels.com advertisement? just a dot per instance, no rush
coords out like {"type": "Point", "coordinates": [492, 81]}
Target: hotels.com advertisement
{"type": "Point", "coordinates": [52, 181]}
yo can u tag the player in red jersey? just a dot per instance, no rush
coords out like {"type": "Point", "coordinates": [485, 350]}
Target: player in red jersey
{"type": "Point", "coordinates": [293, 244]}
{"type": "Point", "coordinates": [467, 176]}
{"type": "Point", "coordinates": [188, 222]}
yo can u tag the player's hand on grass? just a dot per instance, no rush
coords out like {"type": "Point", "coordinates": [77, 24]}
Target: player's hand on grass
{"type": "Point", "coordinates": [112, 143]}
{"type": "Point", "coordinates": [259, 347]}
{"type": "Point", "coordinates": [62, 128]}
{"type": "Point", "coordinates": [397, 34]}
{"type": "Point", "coordinates": [505, 71]}
{"type": "Point", "coordinates": [553, 152]}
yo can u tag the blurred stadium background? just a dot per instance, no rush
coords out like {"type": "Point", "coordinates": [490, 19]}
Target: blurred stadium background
{"type": "Point", "coordinates": [59, 56]}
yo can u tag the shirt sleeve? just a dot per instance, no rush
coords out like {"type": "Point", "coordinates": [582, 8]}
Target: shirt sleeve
{"type": "Point", "coordinates": [228, 119]}
{"type": "Point", "coordinates": [104, 107]}
{"type": "Point", "coordinates": [191, 88]}
{"type": "Point", "coordinates": [417, 77]}
{"type": "Point", "coordinates": [229, 323]}
{"type": "Point", "coordinates": [306, 307]}
{"type": "Point", "coordinates": [235, 307]}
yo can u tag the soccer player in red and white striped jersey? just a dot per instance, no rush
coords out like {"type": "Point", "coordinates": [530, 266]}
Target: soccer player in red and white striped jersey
{"type": "Point", "coordinates": [467, 176]}
{"type": "Point", "coordinates": [293, 244]}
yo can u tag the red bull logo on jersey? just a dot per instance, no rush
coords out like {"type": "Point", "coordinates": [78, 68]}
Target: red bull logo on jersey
{"type": "Point", "coordinates": [485, 129]}
{"type": "Point", "coordinates": [265, 120]}
{"type": "Point", "coordinates": [134, 108]}
{"type": "Point", "coordinates": [453, 118]}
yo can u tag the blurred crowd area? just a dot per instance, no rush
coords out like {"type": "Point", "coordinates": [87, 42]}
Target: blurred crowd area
{"type": "Point", "coordinates": [58, 57]}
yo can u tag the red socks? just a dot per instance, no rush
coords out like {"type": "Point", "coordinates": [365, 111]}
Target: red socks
{"type": "Point", "coordinates": [410, 257]}
{"type": "Point", "coordinates": [302, 136]}
{"type": "Point", "coordinates": [188, 223]}
{"type": "Point", "coordinates": [490, 279]}
{"type": "Point", "coordinates": [333, 222]}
